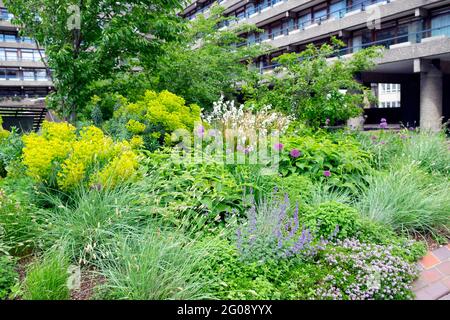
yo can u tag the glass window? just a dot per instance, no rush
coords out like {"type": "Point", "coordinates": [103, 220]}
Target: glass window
{"type": "Point", "coordinates": [12, 75]}
{"type": "Point", "coordinates": [2, 55]}
{"type": "Point", "coordinates": [28, 75]}
{"type": "Point", "coordinates": [388, 95]}
{"type": "Point", "coordinates": [41, 75]}
{"type": "Point", "coordinates": [10, 38]}
{"type": "Point", "coordinates": [304, 20]}
{"type": "Point", "coordinates": [2, 74]}
{"type": "Point", "coordinates": [27, 55]}
{"type": "Point", "coordinates": [338, 9]}
{"type": "Point", "coordinates": [11, 55]}
{"type": "Point", "coordinates": [320, 15]}
{"type": "Point", "coordinates": [441, 25]}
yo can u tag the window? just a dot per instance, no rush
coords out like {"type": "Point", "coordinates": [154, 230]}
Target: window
{"type": "Point", "coordinates": [12, 75]}
{"type": "Point", "coordinates": [27, 55]}
{"type": "Point", "coordinates": [388, 94]}
{"type": "Point", "coordinates": [41, 75]}
{"type": "Point", "coordinates": [10, 38]}
{"type": "Point", "coordinates": [338, 9]}
{"type": "Point", "coordinates": [28, 75]}
{"type": "Point", "coordinates": [304, 20]}
{"type": "Point", "coordinates": [11, 55]}
{"type": "Point", "coordinates": [441, 25]}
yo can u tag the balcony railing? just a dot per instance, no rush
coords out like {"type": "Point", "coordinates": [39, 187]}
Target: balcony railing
{"type": "Point", "coordinates": [417, 37]}
{"type": "Point", "coordinates": [299, 26]}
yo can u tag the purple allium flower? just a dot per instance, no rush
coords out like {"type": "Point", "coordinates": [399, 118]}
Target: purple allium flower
{"type": "Point", "coordinates": [278, 146]}
{"type": "Point", "coordinates": [383, 142]}
{"type": "Point", "coordinates": [295, 153]}
{"type": "Point", "coordinates": [327, 173]}
{"type": "Point", "coordinates": [383, 124]}
{"type": "Point", "coordinates": [200, 131]}
{"type": "Point", "coordinates": [327, 122]}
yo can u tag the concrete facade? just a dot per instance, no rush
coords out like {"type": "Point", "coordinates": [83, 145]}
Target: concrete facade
{"type": "Point", "coordinates": [24, 79]}
{"type": "Point", "coordinates": [415, 33]}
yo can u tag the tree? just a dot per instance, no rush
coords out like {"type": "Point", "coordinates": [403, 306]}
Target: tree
{"type": "Point", "coordinates": [90, 41]}
{"type": "Point", "coordinates": [314, 88]}
{"type": "Point", "coordinates": [208, 61]}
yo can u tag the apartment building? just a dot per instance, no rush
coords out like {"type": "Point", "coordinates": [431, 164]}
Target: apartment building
{"type": "Point", "coordinates": [411, 80]}
{"type": "Point", "coordinates": [23, 76]}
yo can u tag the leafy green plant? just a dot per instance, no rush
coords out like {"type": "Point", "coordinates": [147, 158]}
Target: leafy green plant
{"type": "Point", "coordinates": [47, 278]}
{"type": "Point", "coordinates": [335, 160]}
{"type": "Point", "coordinates": [8, 274]}
{"type": "Point", "coordinates": [329, 217]}
{"type": "Point", "coordinates": [10, 150]}
{"type": "Point", "coordinates": [314, 89]}
{"type": "Point", "coordinates": [155, 265]}
{"type": "Point", "coordinates": [186, 188]}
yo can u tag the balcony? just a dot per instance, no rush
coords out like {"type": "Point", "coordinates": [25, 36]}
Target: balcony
{"type": "Point", "coordinates": [428, 43]}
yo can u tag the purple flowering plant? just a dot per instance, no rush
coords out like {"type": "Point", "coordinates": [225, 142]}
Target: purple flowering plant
{"type": "Point", "coordinates": [273, 232]}
{"type": "Point", "coordinates": [365, 271]}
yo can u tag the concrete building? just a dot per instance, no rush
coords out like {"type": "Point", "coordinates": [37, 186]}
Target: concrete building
{"type": "Point", "coordinates": [412, 79]}
{"type": "Point", "coordinates": [23, 76]}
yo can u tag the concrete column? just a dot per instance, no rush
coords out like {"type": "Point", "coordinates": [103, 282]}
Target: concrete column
{"type": "Point", "coordinates": [431, 99]}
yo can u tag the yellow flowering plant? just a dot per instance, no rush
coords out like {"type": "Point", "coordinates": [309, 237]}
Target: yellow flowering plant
{"type": "Point", "coordinates": [154, 118]}
{"type": "Point", "coordinates": [61, 157]}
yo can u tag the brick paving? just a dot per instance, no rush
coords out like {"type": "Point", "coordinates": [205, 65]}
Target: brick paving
{"type": "Point", "coordinates": [434, 280]}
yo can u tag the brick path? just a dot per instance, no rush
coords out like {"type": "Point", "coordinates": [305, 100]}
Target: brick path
{"type": "Point", "coordinates": [434, 281]}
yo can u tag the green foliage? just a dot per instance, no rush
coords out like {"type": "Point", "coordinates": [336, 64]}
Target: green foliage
{"type": "Point", "coordinates": [428, 150]}
{"type": "Point", "coordinates": [10, 151]}
{"type": "Point", "coordinates": [8, 274]}
{"type": "Point", "coordinates": [156, 265]}
{"type": "Point", "coordinates": [342, 156]}
{"type": "Point", "coordinates": [407, 199]}
{"type": "Point", "coordinates": [117, 30]}
{"type": "Point", "coordinates": [154, 118]}
{"type": "Point", "coordinates": [314, 89]}
{"type": "Point", "coordinates": [298, 188]}
{"type": "Point", "coordinates": [47, 279]}
{"type": "Point", "coordinates": [19, 215]}
{"type": "Point", "coordinates": [326, 217]}
{"type": "Point", "coordinates": [91, 219]}
{"type": "Point", "coordinates": [185, 189]}
{"type": "Point", "coordinates": [206, 63]}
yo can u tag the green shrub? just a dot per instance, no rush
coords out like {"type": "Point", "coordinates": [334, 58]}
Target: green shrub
{"type": "Point", "coordinates": [339, 161]}
{"type": "Point", "coordinates": [47, 279]}
{"type": "Point", "coordinates": [155, 265]}
{"type": "Point", "coordinates": [232, 278]}
{"type": "Point", "coordinates": [154, 118]}
{"type": "Point", "coordinates": [328, 217]}
{"type": "Point", "coordinates": [186, 189]}
{"type": "Point", "coordinates": [10, 150]}
{"type": "Point", "coordinates": [8, 274]}
{"type": "Point", "coordinates": [298, 188]}
{"type": "Point", "coordinates": [407, 199]}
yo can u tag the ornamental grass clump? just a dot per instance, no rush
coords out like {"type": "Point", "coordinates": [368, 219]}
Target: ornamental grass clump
{"type": "Point", "coordinates": [364, 271]}
{"type": "Point", "coordinates": [407, 199]}
{"type": "Point", "coordinates": [62, 158]}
